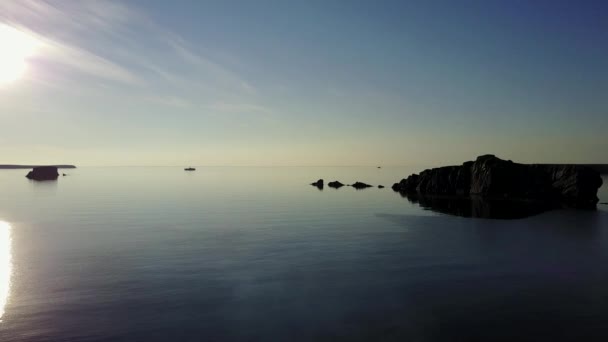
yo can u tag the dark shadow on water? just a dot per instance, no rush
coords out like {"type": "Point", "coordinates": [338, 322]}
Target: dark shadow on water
{"type": "Point", "coordinates": [569, 224]}
{"type": "Point", "coordinates": [480, 207]}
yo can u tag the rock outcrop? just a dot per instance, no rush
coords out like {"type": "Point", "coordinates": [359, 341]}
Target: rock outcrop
{"type": "Point", "coordinates": [318, 184]}
{"type": "Point", "coordinates": [360, 185]}
{"type": "Point", "coordinates": [43, 173]}
{"type": "Point", "coordinates": [335, 184]}
{"type": "Point", "coordinates": [492, 177]}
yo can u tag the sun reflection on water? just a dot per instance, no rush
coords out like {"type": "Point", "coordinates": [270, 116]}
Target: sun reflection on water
{"type": "Point", "coordinates": [5, 264]}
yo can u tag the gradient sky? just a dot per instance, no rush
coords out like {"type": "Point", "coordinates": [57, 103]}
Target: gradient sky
{"type": "Point", "coordinates": [307, 83]}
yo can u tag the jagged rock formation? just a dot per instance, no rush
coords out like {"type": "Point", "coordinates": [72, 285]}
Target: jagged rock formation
{"type": "Point", "coordinates": [492, 177]}
{"type": "Point", "coordinates": [43, 173]}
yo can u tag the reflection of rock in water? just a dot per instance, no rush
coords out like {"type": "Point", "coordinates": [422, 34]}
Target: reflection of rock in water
{"type": "Point", "coordinates": [479, 207]}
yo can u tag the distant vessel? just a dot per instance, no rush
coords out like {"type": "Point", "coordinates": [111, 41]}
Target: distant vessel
{"type": "Point", "coordinates": [189, 169]}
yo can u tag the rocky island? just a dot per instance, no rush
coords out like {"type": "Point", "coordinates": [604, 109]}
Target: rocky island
{"type": "Point", "coordinates": [43, 173]}
{"type": "Point", "coordinates": [491, 178]}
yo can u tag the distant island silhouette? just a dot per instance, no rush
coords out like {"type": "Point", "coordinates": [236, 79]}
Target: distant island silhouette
{"type": "Point", "coordinates": [43, 173]}
{"type": "Point", "coordinates": [16, 166]}
{"type": "Point", "coordinates": [492, 178]}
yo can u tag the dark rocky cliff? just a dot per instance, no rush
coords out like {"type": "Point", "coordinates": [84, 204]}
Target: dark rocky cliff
{"type": "Point", "coordinates": [492, 177]}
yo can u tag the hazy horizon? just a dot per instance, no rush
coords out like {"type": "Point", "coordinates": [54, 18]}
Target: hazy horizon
{"type": "Point", "coordinates": [153, 83]}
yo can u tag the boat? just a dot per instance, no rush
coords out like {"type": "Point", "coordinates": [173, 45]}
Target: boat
{"type": "Point", "coordinates": [189, 169]}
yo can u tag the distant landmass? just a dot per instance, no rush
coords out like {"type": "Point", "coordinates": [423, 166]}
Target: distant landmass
{"type": "Point", "coordinates": [11, 166]}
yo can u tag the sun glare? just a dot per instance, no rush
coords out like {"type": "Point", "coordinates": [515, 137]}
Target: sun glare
{"type": "Point", "coordinates": [17, 47]}
{"type": "Point", "coordinates": [5, 265]}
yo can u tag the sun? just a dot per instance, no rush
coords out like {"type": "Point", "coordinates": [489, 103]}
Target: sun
{"type": "Point", "coordinates": [16, 47]}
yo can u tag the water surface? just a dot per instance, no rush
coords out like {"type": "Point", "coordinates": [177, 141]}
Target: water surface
{"type": "Point", "coordinates": [234, 254]}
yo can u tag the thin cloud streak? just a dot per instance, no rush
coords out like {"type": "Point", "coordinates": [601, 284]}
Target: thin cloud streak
{"type": "Point", "coordinates": [240, 108]}
{"type": "Point", "coordinates": [216, 71]}
{"type": "Point", "coordinates": [120, 54]}
{"type": "Point", "coordinates": [40, 20]}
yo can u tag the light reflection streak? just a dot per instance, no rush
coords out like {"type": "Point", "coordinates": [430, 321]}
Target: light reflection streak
{"type": "Point", "coordinates": [5, 265]}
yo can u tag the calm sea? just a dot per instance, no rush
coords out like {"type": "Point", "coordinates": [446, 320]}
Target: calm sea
{"type": "Point", "coordinates": [257, 254]}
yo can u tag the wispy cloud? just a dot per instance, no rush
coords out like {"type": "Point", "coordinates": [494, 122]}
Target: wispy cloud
{"type": "Point", "coordinates": [57, 29]}
{"type": "Point", "coordinates": [212, 70]}
{"type": "Point", "coordinates": [170, 101]}
{"type": "Point", "coordinates": [70, 19]}
{"type": "Point", "coordinates": [240, 108]}
{"type": "Point", "coordinates": [112, 41]}
{"type": "Point", "coordinates": [89, 63]}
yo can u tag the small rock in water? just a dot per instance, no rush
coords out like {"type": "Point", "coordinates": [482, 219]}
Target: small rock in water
{"type": "Point", "coordinates": [335, 184]}
{"type": "Point", "coordinates": [360, 185]}
{"type": "Point", "coordinates": [380, 186]}
{"type": "Point", "coordinates": [318, 184]}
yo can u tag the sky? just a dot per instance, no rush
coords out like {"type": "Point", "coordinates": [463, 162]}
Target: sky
{"type": "Point", "coordinates": [154, 82]}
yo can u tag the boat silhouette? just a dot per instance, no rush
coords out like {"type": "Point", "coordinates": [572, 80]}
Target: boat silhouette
{"type": "Point", "coordinates": [189, 169]}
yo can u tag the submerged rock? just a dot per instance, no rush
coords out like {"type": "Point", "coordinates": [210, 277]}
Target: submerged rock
{"type": "Point", "coordinates": [360, 185]}
{"type": "Point", "coordinates": [335, 184]}
{"type": "Point", "coordinates": [43, 173]}
{"type": "Point", "coordinates": [492, 177]}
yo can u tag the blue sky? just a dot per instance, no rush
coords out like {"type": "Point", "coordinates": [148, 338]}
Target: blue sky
{"type": "Point", "coordinates": [306, 83]}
